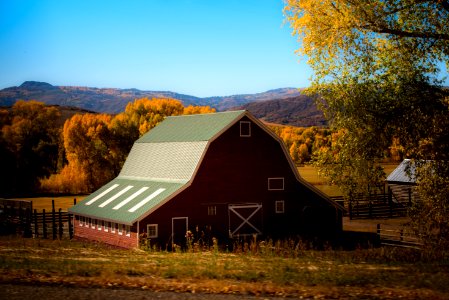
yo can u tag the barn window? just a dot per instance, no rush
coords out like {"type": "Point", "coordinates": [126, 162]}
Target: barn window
{"type": "Point", "coordinates": [93, 223]}
{"type": "Point", "coordinates": [120, 229]}
{"type": "Point", "coordinates": [245, 128]}
{"type": "Point", "coordinates": [127, 230]}
{"type": "Point", "coordinates": [279, 206]}
{"type": "Point", "coordinates": [100, 223]}
{"type": "Point", "coordinates": [212, 210]}
{"type": "Point", "coordinates": [81, 221]}
{"type": "Point", "coordinates": [276, 184]}
{"type": "Point", "coordinates": [106, 226]}
{"type": "Point", "coordinates": [113, 227]}
{"type": "Point", "coordinates": [152, 230]}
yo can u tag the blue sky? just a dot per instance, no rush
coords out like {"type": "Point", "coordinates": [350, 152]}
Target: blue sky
{"type": "Point", "coordinates": [197, 47]}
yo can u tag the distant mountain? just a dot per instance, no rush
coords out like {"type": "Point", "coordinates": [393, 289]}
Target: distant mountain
{"type": "Point", "coordinates": [296, 111]}
{"type": "Point", "coordinates": [112, 100]}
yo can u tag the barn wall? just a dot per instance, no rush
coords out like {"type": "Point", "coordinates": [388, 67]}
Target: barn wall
{"type": "Point", "coordinates": [235, 170]}
{"type": "Point", "coordinates": [108, 237]}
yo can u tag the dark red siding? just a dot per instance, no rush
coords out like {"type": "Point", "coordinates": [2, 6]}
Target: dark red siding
{"type": "Point", "coordinates": [235, 170]}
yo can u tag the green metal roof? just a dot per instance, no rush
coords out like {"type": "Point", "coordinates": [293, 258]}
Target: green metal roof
{"type": "Point", "coordinates": [124, 201]}
{"type": "Point", "coordinates": [163, 161]}
{"type": "Point", "coordinates": [190, 128]}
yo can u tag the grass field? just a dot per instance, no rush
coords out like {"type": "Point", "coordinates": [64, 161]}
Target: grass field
{"type": "Point", "coordinates": [284, 269]}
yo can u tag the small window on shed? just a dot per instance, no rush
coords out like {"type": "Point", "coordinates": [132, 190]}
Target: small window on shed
{"type": "Point", "coordinates": [152, 231]}
{"type": "Point", "coordinates": [276, 184]}
{"type": "Point", "coordinates": [279, 206]}
{"type": "Point", "coordinates": [245, 128]}
{"type": "Point", "coordinates": [212, 210]}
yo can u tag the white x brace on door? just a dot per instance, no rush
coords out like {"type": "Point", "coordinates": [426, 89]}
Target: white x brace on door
{"type": "Point", "coordinates": [244, 219]}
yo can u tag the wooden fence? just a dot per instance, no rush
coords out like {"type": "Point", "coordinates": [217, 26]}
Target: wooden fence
{"type": "Point", "coordinates": [381, 205]}
{"type": "Point", "coordinates": [18, 216]}
{"type": "Point", "coordinates": [398, 237]}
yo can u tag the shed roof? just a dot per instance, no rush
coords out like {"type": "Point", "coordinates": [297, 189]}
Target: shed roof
{"type": "Point", "coordinates": [403, 174]}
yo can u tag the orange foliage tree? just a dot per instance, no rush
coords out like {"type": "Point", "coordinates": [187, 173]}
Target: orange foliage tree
{"type": "Point", "coordinates": [29, 142]}
{"type": "Point", "coordinates": [96, 146]}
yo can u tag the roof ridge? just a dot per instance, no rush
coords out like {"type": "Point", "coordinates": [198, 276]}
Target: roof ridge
{"type": "Point", "coordinates": [205, 114]}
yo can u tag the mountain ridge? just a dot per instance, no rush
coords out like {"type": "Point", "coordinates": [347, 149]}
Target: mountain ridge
{"type": "Point", "coordinates": [114, 100]}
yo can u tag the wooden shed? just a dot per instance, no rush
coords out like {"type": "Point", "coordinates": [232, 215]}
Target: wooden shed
{"type": "Point", "coordinates": [222, 175]}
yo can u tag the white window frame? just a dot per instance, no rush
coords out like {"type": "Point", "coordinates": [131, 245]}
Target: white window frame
{"type": "Point", "coordinates": [120, 229]}
{"type": "Point", "coordinates": [247, 123]}
{"type": "Point", "coordinates": [93, 223]}
{"type": "Point", "coordinates": [282, 203]}
{"type": "Point", "coordinates": [106, 226]}
{"type": "Point", "coordinates": [127, 230]}
{"type": "Point", "coordinates": [276, 189]}
{"type": "Point", "coordinates": [212, 210]}
{"type": "Point", "coordinates": [112, 227]}
{"type": "Point", "coordinates": [156, 230]}
{"type": "Point", "coordinates": [81, 221]}
{"type": "Point", "coordinates": [99, 224]}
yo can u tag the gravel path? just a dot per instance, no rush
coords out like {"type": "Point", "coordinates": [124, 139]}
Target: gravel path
{"type": "Point", "coordinates": [24, 292]}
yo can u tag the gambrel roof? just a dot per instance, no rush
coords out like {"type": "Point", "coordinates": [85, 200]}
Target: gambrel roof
{"type": "Point", "coordinates": [160, 165]}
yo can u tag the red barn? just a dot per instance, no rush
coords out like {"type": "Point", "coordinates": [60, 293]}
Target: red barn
{"type": "Point", "coordinates": [221, 175]}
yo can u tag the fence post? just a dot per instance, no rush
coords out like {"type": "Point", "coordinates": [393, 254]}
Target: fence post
{"type": "Point", "coordinates": [61, 230]}
{"type": "Point", "coordinates": [70, 226]}
{"type": "Point", "coordinates": [44, 224]}
{"type": "Point", "coordinates": [74, 201]}
{"type": "Point", "coordinates": [53, 218]}
{"type": "Point", "coordinates": [36, 228]}
{"type": "Point", "coordinates": [27, 232]}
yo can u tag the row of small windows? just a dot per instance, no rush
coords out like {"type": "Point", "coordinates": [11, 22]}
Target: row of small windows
{"type": "Point", "coordinates": [105, 226]}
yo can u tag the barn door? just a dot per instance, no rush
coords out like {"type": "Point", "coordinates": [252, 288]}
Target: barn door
{"type": "Point", "coordinates": [179, 229]}
{"type": "Point", "coordinates": [245, 219]}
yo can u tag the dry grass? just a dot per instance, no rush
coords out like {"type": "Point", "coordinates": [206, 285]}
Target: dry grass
{"type": "Point", "coordinates": [63, 202]}
{"type": "Point", "coordinates": [268, 269]}
{"type": "Point", "coordinates": [310, 174]}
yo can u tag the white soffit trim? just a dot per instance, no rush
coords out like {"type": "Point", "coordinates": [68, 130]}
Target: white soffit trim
{"type": "Point", "coordinates": [147, 199]}
{"type": "Point", "coordinates": [102, 194]}
{"type": "Point", "coordinates": [116, 196]}
{"type": "Point", "coordinates": [131, 197]}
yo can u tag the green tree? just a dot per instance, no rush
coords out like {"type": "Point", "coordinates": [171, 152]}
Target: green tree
{"type": "Point", "coordinates": [376, 70]}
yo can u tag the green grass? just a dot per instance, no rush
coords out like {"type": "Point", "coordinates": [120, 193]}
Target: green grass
{"type": "Point", "coordinates": [267, 269]}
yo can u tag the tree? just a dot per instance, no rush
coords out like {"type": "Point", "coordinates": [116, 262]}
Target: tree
{"type": "Point", "coordinates": [29, 144]}
{"type": "Point", "coordinates": [376, 75]}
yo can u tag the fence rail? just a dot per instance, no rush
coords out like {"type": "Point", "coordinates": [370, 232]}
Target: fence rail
{"type": "Point", "coordinates": [398, 237]}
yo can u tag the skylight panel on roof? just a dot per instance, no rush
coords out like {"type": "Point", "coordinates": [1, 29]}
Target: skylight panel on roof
{"type": "Point", "coordinates": [130, 197]}
{"type": "Point", "coordinates": [116, 196]}
{"type": "Point", "coordinates": [102, 194]}
{"type": "Point", "coordinates": [146, 200]}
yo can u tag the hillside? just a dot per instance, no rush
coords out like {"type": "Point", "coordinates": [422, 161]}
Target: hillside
{"type": "Point", "coordinates": [296, 111]}
{"type": "Point", "coordinates": [113, 100]}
